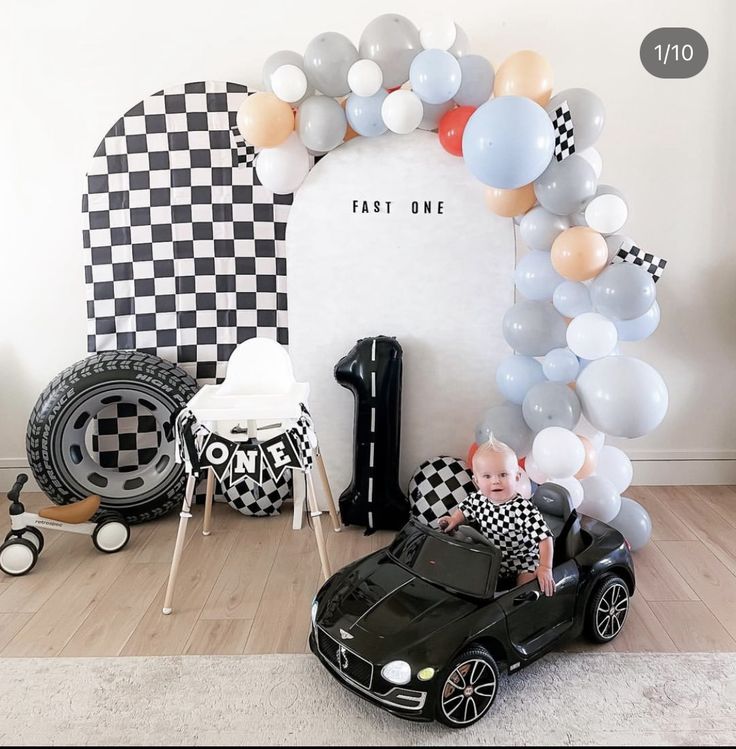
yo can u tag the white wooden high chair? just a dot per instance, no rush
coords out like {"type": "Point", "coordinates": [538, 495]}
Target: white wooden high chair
{"type": "Point", "coordinates": [259, 389]}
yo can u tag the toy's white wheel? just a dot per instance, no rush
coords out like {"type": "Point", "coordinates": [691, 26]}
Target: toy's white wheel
{"type": "Point", "coordinates": [110, 536]}
{"type": "Point", "coordinates": [17, 556]}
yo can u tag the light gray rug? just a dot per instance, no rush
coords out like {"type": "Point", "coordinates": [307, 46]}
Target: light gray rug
{"type": "Point", "coordinates": [567, 698]}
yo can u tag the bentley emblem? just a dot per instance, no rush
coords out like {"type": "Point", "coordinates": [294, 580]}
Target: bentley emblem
{"type": "Point", "coordinates": [342, 657]}
{"type": "Point", "coordinates": [345, 635]}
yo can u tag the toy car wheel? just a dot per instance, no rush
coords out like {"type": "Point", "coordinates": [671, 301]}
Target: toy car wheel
{"type": "Point", "coordinates": [35, 537]}
{"type": "Point", "coordinates": [111, 535]}
{"type": "Point", "coordinates": [607, 609]}
{"type": "Point", "coordinates": [17, 556]}
{"type": "Point", "coordinates": [468, 689]}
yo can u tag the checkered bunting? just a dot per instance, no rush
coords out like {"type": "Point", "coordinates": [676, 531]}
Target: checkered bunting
{"type": "Point", "coordinates": [249, 498]}
{"type": "Point", "coordinates": [305, 439]}
{"type": "Point", "coordinates": [125, 437]}
{"type": "Point", "coordinates": [184, 247]}
{"type": "Point", "coordinates": [630, 253]}
{"type": "Point", "coordinates": [564, 136]}
{"type": "Point", "coordinates": [437, 487]}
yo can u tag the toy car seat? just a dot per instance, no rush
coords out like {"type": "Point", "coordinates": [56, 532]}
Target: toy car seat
{"type": "Point", "coordinates": [554, 502]}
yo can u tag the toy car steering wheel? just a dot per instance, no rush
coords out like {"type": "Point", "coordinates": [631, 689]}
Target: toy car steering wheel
{"type": "Point", "coordinates": [470, 535]}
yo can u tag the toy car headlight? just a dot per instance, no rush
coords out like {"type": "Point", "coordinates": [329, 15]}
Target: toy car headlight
{"type": "Point", "coordinates": [397, 672]}
{"type": "Point", "coordinates": [314, 614]}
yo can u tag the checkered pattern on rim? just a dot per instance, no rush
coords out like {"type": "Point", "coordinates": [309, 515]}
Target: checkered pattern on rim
{"type": "Point", "coordinates": [125, 437]}
{"type": "Point", "coordinates": [564, 135]}
{"type": "Point", "coordinates": [515, 527]}
{"type": "Point", "coordinates": [184, 247]}
{"type": "Point", "coordinates": [437, 487]}
{"type": "Point", "coordinates": [250, 499]}
{"type": "Point", "coordinates": [633, 254]}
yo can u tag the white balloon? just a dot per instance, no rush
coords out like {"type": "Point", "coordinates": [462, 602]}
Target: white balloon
{"type": "Point", "coordinates": [365, 78]}
{"type": "Point", "coordinates": [534, 472]}
{"type": "Point", "coordinates": [441, 33]}
{"type": "Point", "coordinates": [606, 211]}
{"type": "Point", "coordinates": [524, 485]}
{"type": "Point", "coordinates": [283, 168]}
{"type": "Point", "coordinates": [574, 487]}
{"type": "Point", "coordinates": [591, 336]}
{"type": "Point", "coordinates": [600, 499]}
{"type": "Point", "coordinates": [614, 465]}
{"type": "Point", "coordinates": [585, 429]}
{"type": "Point", "coordinates": [558, 452]}
{"type": "Point", "coordinates": [402, 111]}
{"type": "Point", "coordinates": [592, 156]}
{"type": "Point", "coordinates": [289, 83]}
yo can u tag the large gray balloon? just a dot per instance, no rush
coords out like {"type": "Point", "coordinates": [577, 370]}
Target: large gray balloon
{"type": "Point", "coordinates": [623, 291]}
{"type": "Point", "coordinates": [321, 123]}
{"type": "Point", "coordinates": [600, 499]}
{"type": "Point", "coordinates": [550, 404]}
{"type": "Point", "coordinates": [633, 523]}
{"type": "Point", "coordinates": [539, 228]}
{"type": "Point", "coordinates": [622, 396]}
{"type": "Point", "coordinates": [275, 61]}
{"type": "Point", "coordinates": [506, 423]}
{"type": "Point", "coordinates": [391, 41]}
{"type": "Point", "coordinates": [433, 114]}
{"type": "Point", "coordinates": [586, 111]}
{"type": "Point", "coordinates": [534, 328]}
{"type": "Point", "coordinates": [327, 59]}
{"type": "Point", "coordinates": [564, 186]}
{"type": "Point", "coordinates": [477, 81]}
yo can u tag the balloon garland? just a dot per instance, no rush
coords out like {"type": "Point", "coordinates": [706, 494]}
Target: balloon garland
{"type": "Point", "coordinates": [585, 286]}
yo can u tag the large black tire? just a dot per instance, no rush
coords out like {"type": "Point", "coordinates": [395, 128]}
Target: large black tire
{"type": "Point", "coordinates": [55, 440]}
{"type": "Point", "coordinates": [607, 609]}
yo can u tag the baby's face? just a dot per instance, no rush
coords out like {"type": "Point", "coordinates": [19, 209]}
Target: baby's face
{"type": "Point", "coordinates": [496, 475]}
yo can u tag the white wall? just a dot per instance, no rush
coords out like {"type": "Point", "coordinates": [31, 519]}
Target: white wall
{"type": "Point", "coordinates": [71, 68]}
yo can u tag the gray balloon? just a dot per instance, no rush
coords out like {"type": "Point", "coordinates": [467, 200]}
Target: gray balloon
{"type": "Point", "coordinates": [391, 41]}
{"type": "Point", "coordinates": [321, 123]}
{"type": "Point", "coordinates": [550, 404]}
{"type": "Point", "coordinates": [614, 243]}
{"type": "Point", "coordinates": [633, 523]}
{"type": "Point", "coordinates": [275, 61]}
{"type": "Point", "coordinates": [600, 499]}
{"type": "Point", "coordinates": [477, 81]}
{"type": "Point", "coordinates": [539, 228]}
{"type": "Point", "coordinates": [534, 328]}
{"type": "Point", "coordinates": [586, 111]}
{"type": "Point", "coordinates": [461, 45]}
{"type": "Point", "coordinates": [564, 186]}
{"type": "Point", "coordinates": [327, 59]}
{"type": "Point", "coordinates": [506, 423]}
{"type": "Point", "coordinates": [622, 396]}
{"type": "Point", "coordinates": [433, 114]}
{"type": "Point", "coordinates": [623, 291]}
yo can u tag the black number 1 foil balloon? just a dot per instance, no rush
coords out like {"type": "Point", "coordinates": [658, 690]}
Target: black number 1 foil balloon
{"type": "Point", "coordinates": [372, 370]}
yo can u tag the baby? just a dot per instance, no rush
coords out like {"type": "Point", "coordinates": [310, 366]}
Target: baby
{"type": "Point", "coordinates": [512, 523]}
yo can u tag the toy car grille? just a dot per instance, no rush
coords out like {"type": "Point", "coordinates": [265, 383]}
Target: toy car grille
{"type": "Point", "coordinates": [346, 661]}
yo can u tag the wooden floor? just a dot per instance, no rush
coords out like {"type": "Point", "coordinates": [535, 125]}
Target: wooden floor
{"type": "Point", "coordinates": [247, 587]}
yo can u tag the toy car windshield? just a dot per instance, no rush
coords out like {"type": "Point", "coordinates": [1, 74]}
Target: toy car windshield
{"type": "Point", "coordinates": [450, 561]}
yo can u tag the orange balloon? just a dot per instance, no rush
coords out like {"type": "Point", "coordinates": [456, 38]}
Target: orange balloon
{"type": "Point", "coordinates": [510, 202]}
{"type": "Point", "coordinates": [525, 73]}
{"type": "Point", "coordinates": [591, 459]}
{"type": "Point", "coordinates": [264, 120]}
{"type": "Point", "coordinates": [579, 253]}
{"type": "Point", "coordinates": [471, 452]}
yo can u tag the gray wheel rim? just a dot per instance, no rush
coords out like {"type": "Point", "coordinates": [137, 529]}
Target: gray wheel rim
{"type": "Point", "coordinates": [87, 475]}
{"type": "Point", "coordinates": [468, 692]}
{"type": "Point", "coordinates": [611, 611]}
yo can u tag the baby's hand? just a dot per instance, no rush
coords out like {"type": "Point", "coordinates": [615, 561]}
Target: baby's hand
{"type": "Point", "coordinates": [546, 580]}
{"type": "Point", "coordinates": [444, 524]}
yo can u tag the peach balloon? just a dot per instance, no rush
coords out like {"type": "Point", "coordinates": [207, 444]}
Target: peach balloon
{"type": "Point", "coordinates": [349, 132]}
{"type": "Point", "coordinates": [525, 73]}
{"type": "Point", "coordinates": [591, 459]}
{"type": "Point", "coordinates": [579, 253]}
{"type": "Point", "coordinates": [264, 120]}
{"type": "Point", "coordinates": [510, 202]}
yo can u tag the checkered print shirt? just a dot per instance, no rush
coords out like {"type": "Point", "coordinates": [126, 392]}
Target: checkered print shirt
{"type": "Point", "coordinates": [515, 527]}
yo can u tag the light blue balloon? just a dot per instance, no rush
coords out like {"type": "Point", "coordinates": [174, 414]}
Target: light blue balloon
{"type": "Point", "coordinates": [535, 277]}
{"type": "Point", "coordinates": [364, 113]}
{"type": "Point", "coordinates": [477, 81]}
{"type": "Point", "coordinates": [435, 76]}
{"type": "Point", "coordinates": [506, 423]}
{"type": "Point", "coordinates": [640, 327]}
{"type": "Point", "coordinates": [572, 298]}
{"type": "Point", "coordinates": [561, 365]}
{"type": "Point", "coordinates": [508, 142]}
{"type": "Point", "coordinates": [516, 375]}
{"type": "Point", "coordinates": [533, 328]}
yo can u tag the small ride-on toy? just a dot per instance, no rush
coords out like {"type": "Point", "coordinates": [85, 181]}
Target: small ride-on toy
{"type": "Point", "coordinates": [19, 553]}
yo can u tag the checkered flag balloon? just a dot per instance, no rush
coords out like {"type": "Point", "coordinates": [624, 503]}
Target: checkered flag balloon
{"type": "Point", "coordinates": [437, 487]}
{"type": "Point", "coordinates": [564, 136]}
{"type": "Point", "coordinates": [633, 254]}
{"type": "Point", "coordinates": [249, 498]}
